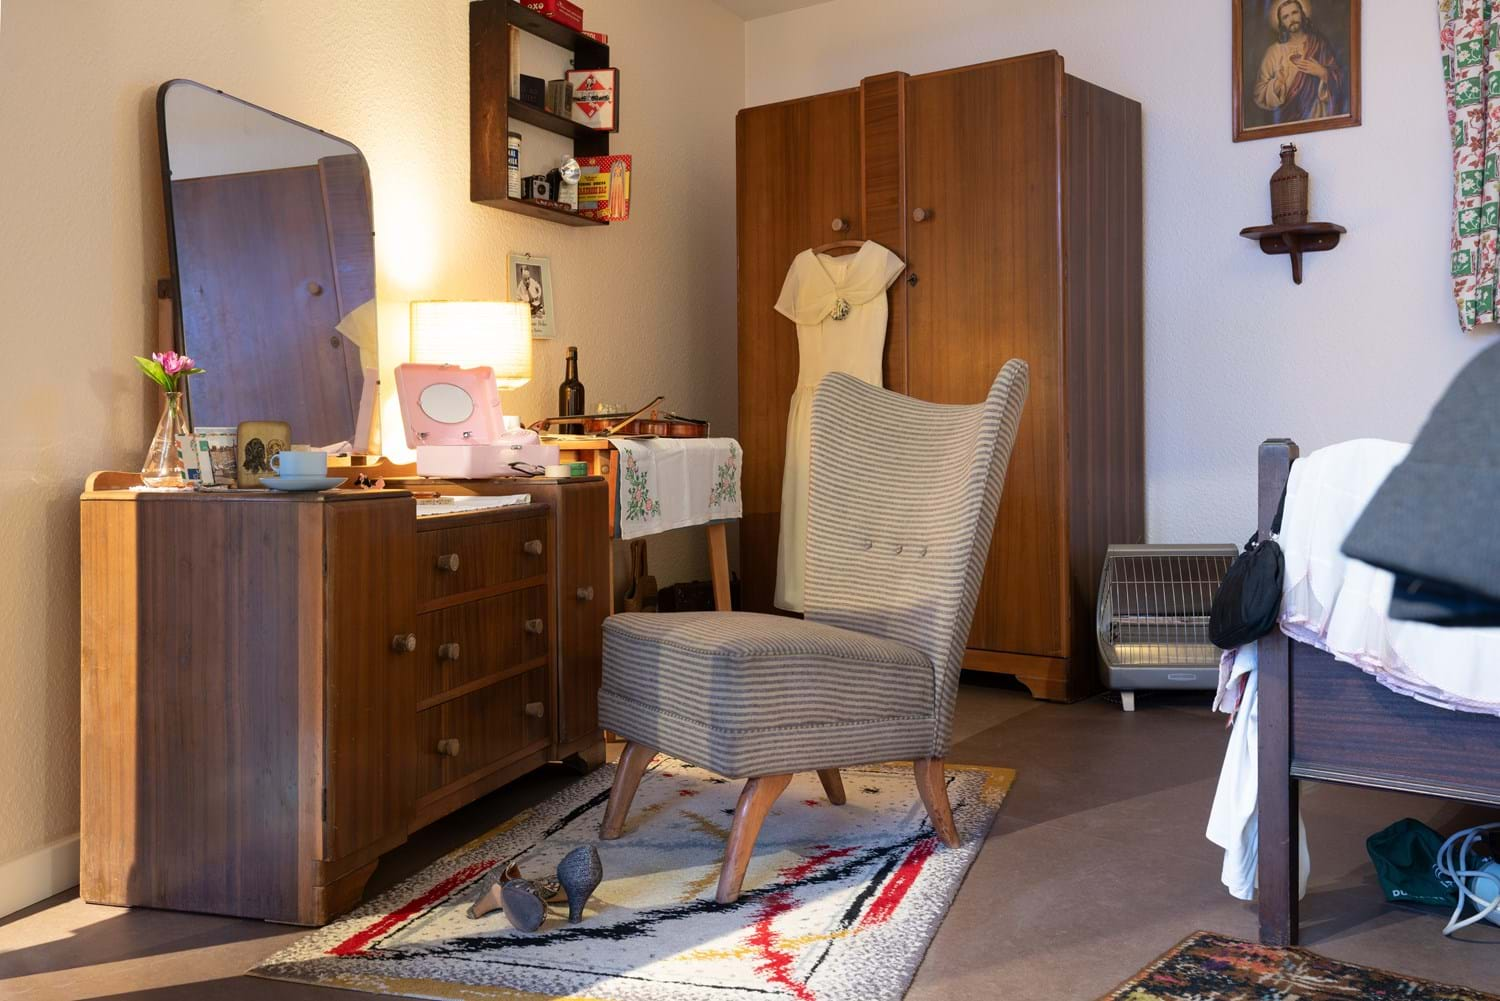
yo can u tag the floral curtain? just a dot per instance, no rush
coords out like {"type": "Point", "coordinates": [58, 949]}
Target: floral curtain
{"type": "Point", "coordinates": [1471, 68]}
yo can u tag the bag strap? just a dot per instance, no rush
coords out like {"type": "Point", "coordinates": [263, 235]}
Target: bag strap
{"type": "Point", "coordinates": [1276, 519]}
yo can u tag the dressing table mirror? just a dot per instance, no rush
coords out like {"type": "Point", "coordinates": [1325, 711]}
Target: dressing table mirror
{"type": "Point", "coordinates": [273, 266]}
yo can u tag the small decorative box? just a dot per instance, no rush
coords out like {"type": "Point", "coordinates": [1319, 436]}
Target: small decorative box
{"type": "Point", "coordinates": [533, 91]}
{"type": "Point", "coordinates": [596, 98]}
{"type": "Point", "coordinates": [560, 11]}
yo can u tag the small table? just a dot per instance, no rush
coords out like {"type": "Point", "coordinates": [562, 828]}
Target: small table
{"type": "Point", "coordinates": [599, 454]}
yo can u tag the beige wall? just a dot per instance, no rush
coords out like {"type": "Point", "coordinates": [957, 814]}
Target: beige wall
{"type": "Point", "coordinates": [650, 303]}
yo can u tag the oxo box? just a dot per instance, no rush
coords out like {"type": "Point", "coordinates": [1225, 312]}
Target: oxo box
{"type": "Point", "coordinates": [560, 11]}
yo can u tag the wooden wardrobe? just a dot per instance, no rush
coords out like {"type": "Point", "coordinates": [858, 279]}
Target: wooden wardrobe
{"type": "Point", "coordinates": [1013, 192]}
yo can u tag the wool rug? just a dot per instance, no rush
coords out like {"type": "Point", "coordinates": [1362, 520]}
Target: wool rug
{"type": "Point", "coordinates": [840, 902]}
{"type": "Point", "coordinates": [1205, 965]}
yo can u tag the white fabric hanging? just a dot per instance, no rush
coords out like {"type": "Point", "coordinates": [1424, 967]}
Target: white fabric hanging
{"type": "Point", "coordinates": [1234, 821]}
{"type": "Point", "coordinates": [839, 306]}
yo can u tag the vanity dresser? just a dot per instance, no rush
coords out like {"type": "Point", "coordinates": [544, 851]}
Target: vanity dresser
{"type": "Point", "coordinates": [279, 688]}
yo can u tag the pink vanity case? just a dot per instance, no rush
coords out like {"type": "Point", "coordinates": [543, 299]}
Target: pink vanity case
{"type": "Point", "coordinates": [453, 419]}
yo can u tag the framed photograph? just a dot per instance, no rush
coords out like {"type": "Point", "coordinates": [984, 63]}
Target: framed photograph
{"type": "Point", "coordinates": [1296, 66]}
{"type": "Point", "coordinates": [257, 443]}
{"type": "Point", "coordinates": [530, 281]}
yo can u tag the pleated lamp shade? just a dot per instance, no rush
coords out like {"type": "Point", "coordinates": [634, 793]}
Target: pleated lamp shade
{"type": "Point", "coordinates": [472, 334]}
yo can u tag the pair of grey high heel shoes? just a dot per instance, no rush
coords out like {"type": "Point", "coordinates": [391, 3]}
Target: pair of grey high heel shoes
{"type": "Point", "coordinates": [525, 900]}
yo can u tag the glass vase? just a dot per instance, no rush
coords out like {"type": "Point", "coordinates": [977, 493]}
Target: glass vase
{"type": "Point", "coordinates": [164, 466]}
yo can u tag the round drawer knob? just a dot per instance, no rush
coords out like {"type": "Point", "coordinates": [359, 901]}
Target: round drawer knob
{"type": "Point", "coordinates": [533, 547]}
{"type": "Point", "coordinates": [921, 215]}
{"type": "Point", "coordinates": [534, 626]}
{"type": "Point", "coordinates": [448, 748]}
{"type": "Point", "coordinates": [841, 225]}
{"type": "Point", "coordinates": [536, 709]}
{"type": "Point", "coordinates": [448, 651]}
{"type": "Point", "coordinates": [585, 594]}
{"type": "Point", "coordinates": [404, 642]}
{"type": "Point", "coordinates": [313, 288]}
{"type": "Point", "coordinates": [448, 562]}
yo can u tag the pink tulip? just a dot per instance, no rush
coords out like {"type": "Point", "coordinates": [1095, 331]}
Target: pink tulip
{"type": "Point", "coordinates": [172, 363]}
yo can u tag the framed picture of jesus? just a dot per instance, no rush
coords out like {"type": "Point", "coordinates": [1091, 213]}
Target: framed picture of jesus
{"type": "Point", "coordinates": [1296, 66]}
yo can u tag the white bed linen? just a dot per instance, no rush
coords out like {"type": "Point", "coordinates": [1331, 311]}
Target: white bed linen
{"type": "Point", "coordinates": [1341, 605]}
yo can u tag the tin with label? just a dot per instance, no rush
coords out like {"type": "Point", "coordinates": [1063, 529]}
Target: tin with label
{"type": "Point", "coordinates": [513, 164]}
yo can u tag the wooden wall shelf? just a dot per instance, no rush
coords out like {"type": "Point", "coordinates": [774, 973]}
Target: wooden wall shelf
{"type": "Point", "coordinates": [491, 107]}
{"type": "Point", "coordinates": [1295, 240]}
{"type": "Point", "coordinates": [542, 119]}
{"type": "Point", "coordinates": [540, 210]}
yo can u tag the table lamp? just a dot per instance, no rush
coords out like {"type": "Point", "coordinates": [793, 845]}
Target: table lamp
{"type": "Point", "coordinates": [470, 334]}
{"type": "Point", "coordinates": [463, 353]}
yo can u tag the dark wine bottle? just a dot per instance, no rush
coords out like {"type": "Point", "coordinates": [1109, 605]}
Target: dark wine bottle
{"type": "Point", "coordinates": [570, 394]}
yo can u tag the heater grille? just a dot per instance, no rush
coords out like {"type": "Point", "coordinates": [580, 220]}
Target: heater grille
{"type": "Point", "coordinates": [1154, 603]}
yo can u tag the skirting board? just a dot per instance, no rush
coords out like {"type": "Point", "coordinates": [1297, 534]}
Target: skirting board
{"type": "Point", "coordinates": [48, 870]}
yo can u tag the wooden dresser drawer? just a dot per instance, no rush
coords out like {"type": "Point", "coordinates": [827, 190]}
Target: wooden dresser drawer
{"type": "Point", "coordinates": [474, 558]}
{"type": "Point", "coordinates": [462, 738]}
{"type": "Point", "coordinates": [466, 643]}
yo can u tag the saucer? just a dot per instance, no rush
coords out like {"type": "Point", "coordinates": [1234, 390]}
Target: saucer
{"type": "Point", "coordinates": [298, 483]}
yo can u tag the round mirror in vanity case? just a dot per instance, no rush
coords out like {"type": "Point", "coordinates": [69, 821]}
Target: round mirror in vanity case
{"type": "Point", "coordinates": [446, 403]}
{"type": "Point", "coordinates": [273, 266]}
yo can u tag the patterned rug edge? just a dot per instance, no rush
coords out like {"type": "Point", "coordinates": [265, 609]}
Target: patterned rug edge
{"type": "Point", "coordinates": [998, 781]}
{"type": "Point", "coordinates": [1118, 994]}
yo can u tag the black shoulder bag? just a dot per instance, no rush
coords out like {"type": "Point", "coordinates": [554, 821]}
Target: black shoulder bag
{"type": "Point", "coordinates": [1248, 601]}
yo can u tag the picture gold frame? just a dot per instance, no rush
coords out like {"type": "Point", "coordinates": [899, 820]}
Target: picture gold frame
{"type": "Point", "coordinates": [1333, 26]}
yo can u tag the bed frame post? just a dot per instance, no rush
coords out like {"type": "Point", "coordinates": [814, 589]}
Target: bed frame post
{"type": "Point", "coordinates": [1278, 876]}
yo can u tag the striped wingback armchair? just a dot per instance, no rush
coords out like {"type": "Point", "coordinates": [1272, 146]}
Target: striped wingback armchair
{"type": "Point", "coordinates": [903, 501]}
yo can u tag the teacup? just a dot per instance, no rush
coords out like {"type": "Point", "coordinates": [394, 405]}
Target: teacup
{"type": "Point", "coordinates": [293, 464]}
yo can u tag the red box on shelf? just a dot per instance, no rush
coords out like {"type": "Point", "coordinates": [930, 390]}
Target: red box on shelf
{"type": "Point", "coordinates": [561, 11]}
{"type": "Point", "coordinates": [597, 36]}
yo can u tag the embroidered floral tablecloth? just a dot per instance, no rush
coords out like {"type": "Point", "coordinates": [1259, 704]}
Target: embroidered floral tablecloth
{"type": "Point", "coordinates": [668, 483]}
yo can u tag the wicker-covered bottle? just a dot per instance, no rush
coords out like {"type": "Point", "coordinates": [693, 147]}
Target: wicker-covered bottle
{"type": "Point", "coordinates": [1289, 190]}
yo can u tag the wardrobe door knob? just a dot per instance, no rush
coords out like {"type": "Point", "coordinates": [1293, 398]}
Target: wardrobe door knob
{"type": "Point", "coordinates": [448, 747]}
{"type": "Point", "coordinates": [448, 651]}
{"type": "Point", "coordinates": [841, 225]}
{"type": "Point", "coordinates": [448, 562]}
{"type": "Point", "coordinates": [536, 709]}
{"type": "Point", "coordinates": [313, 288]}
{"type": "Point", "coordinates": [534, 626]}
{"type": "Point", "coordinates": [533, 547]}
{"type": "Point", "coordinates": [404, 642]}
{"type": "Point", "coordinates": [585, 594]}
{"type": "Point", "coordinates": [921, 215]}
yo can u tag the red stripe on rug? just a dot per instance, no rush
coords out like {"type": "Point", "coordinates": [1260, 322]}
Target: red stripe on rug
{"type": "Point", "coordinates": [776, 964]}
{"type": "Point", "coordinates": [355, 944]}
{"type": "Point", "coordinates": [901, 881]}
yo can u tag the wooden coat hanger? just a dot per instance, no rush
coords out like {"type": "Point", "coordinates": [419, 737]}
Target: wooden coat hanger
{"type": "Point", "coordinates": [849, 245]}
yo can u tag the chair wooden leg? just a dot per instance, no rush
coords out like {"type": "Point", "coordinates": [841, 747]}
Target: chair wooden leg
{"type": "Point", "coordinates": [934, 793]}
{"type": "Point", "coordinates": [833, 785]}
{"type": "Point", "coordinates": [755, 800]}
{"type": "Point", "coordinates": [632, 764]}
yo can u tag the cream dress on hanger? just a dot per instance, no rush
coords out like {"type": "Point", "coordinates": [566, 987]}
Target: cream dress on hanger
{"type": "Point", "coordinates": [839, 307]}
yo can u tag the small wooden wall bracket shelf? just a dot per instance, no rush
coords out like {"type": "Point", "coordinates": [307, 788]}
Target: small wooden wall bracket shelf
{"type": "Point", "coordinates": [1295, 240]}
{"type": "Point", "coordinates": [491, 107]}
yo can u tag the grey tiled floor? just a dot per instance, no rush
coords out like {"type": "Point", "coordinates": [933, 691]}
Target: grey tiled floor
{"type": "Point", "coordinates": [1096, 865]}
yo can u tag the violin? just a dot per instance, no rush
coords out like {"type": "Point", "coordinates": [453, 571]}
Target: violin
{"type": "Point", "coordinates": [648, 421]}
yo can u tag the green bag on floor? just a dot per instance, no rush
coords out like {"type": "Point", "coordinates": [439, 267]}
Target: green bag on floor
{"type": "Point", "coordinates": [1405, 857]}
